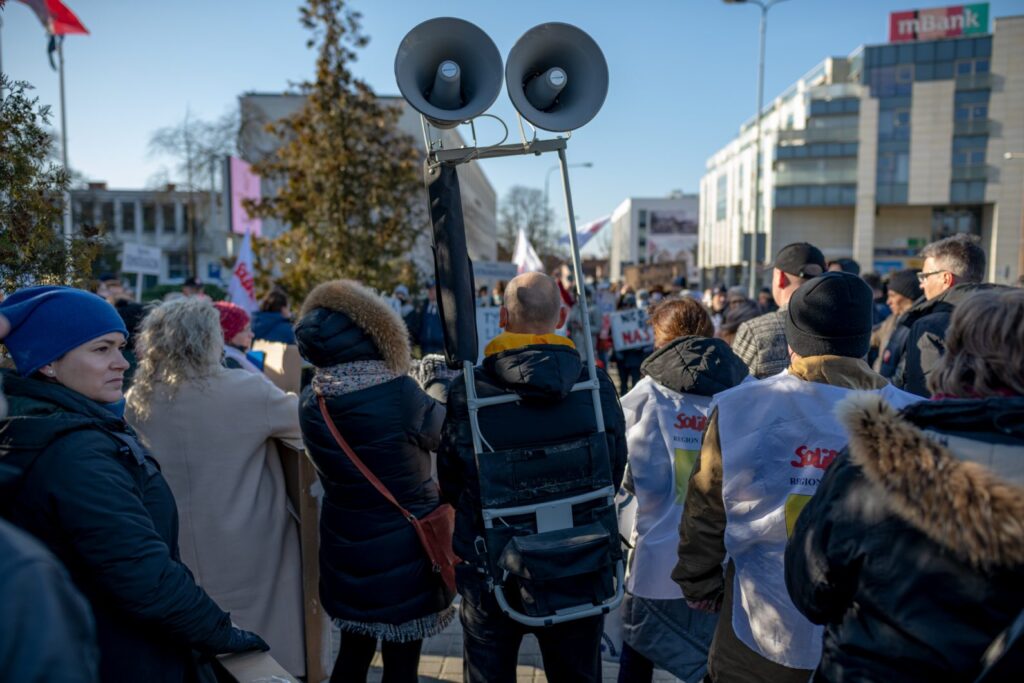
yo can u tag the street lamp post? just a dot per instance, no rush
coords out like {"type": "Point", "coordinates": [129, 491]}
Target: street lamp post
{"type": "Point", "coordinates": [547, 182]}
{"type": "Point", "coordinates": [765, 5]}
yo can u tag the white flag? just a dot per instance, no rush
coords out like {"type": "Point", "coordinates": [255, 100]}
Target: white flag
{"type": "Point", "coordinates": [525, 257]}
{"type": "Point", "coordinates": [242, 290]}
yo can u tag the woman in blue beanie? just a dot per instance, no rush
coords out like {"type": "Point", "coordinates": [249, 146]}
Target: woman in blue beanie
{"type": "Point", "coordinates": [73, 473]}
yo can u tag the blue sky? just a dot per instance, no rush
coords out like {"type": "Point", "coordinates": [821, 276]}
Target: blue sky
{"type": "Point", "coordinates": [682, 74]}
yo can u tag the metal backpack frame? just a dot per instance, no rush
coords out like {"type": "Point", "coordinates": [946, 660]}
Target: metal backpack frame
{"type": "Point", "coordinates": [556, 514]}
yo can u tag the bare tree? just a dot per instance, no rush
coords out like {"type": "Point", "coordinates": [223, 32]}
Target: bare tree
{"type": "Point", "coordinates": [197, 148]}
{"type": "Point", "coordinates": [523, 207]}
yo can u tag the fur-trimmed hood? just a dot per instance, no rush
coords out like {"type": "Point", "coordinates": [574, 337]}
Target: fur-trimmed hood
{"type": "Point", "coordinates": [342, 321]}
{"type": "Point", "coordinates": [958, 504]}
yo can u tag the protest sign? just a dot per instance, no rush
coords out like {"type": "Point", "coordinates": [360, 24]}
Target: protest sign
{"type": "Point", "coordinates": [630, 330]}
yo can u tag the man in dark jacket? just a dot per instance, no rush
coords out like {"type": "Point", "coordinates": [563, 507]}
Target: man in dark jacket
{"type": "Point", "coordinates": [952, 269]}
{"type": "Point", "coordinates": [541, 367]}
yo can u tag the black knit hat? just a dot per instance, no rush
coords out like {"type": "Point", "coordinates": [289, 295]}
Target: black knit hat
{"type": "Point", "coordinates": [830, 315]}
{"type": "Point", "coordinates": [905, 282]}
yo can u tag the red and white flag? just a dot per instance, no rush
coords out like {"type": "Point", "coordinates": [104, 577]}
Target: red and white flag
{"type": "Point", "coordinates": [242, 289]}
{"type": "Point", "coordinates": [586, 232]}
{"type": "Point", "coordinates": [525, 257]}
{"type": "Point", "coordinates": [56, 18]}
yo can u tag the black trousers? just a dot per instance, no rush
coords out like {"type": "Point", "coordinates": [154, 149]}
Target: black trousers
{"type": "Point", "coordinates": [490, 648]}
{"type": "Point", "coordinates": [401, 660]}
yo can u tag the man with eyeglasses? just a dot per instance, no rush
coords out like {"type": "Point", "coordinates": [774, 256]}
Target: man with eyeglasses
{"type": "Point", "coordinates": [953, 270]}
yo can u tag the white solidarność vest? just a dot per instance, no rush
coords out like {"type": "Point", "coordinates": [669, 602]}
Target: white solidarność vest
{"type": "Point", "coordinates": [663, 433]}
{"type": "Point", "coordinates": [778, 437]}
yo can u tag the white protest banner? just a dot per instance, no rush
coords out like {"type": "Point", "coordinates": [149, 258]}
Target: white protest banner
{"type": "Point", "coordinates": [492, 271]}
{"type": "Point", "coordinates": [487, 328]}
{"type": "Point", "coordinates": [139, 259]}
{"type": "Point", "coordinates": [630, 330]}
{"type": "Point", "coordinates": [242, 288]}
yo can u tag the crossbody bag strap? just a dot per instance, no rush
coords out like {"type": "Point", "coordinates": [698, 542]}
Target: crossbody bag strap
{"type": "Point", "coordinates": [359, 463]}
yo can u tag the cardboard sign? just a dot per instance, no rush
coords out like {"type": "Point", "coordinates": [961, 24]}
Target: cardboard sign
{"type": "Point", "coordinates": [282, 364]}
{"type": "Point", "coordinates": [138, 258]}
{"type": "Point", "coordinates": [630, 330]}
{"type": "Point", "coordinates": [487, 328]}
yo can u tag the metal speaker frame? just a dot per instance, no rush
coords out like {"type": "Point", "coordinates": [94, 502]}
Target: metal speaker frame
{"type": "Point", "coordinates": [584, 86]}
{"type": "Point", "coordinates": [423, 65]}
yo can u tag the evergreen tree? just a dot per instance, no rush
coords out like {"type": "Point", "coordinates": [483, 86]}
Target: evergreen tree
{"type": "Point", "coordinates": [349, 181]}
{"type": "Point", "coordinates": [33, 249]}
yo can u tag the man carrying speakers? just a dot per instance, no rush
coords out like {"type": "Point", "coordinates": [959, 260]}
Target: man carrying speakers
{"type": "Point", "coordinates": [765, 450]}
{"type": "Point", "coordinates": [530, 360]}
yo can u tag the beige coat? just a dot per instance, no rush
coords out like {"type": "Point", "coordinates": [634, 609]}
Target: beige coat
{"type": "Point", "coordinates": [213, 441]}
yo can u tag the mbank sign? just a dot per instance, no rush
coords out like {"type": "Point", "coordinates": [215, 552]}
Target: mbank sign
{"type": "Point", "coordinates": [940, 22]}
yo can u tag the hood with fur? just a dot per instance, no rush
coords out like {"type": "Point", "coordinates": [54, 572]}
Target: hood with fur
{"type": "Point", "coordinates": [958, 504]}
{"type": "Point", "coordinates": [342, 321]}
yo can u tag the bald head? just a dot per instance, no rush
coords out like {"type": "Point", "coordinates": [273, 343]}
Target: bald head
{"type": "Point", "coordinates": [533, 304]}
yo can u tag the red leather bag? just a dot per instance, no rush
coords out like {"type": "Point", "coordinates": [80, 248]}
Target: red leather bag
{"type": "Point", "coordinates": [434, 530]}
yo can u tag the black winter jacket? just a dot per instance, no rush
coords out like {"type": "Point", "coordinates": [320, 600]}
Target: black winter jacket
{"type": "Point", "coordinates": [695, 365]}
{"type": "Point", "coordinates": [372, 566]}
{"type": "Point", "coordinates": [910, 554]}
{"type": "Point", "coordinates": [542, 375]}
{"type": "Point", "coordinates": [924, 341]}
{"type": "Point", "coordinates": [112, 521]}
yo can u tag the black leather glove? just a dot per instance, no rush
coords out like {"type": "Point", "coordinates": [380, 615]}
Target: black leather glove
{"type": "Point", "coordinates": [242, 641]}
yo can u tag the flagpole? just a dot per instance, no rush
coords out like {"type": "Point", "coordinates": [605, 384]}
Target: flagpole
{"type": "Point", "coordinates": [64, 139]}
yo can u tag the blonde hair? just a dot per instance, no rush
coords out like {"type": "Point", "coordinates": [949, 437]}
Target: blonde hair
{"type": "Point", "coordinates": [181, 341]}
{"type": "Point", "coordinates": [984, 347]}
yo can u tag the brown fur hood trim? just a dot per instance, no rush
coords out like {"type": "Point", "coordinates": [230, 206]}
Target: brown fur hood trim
{"type": "Point", "coordinates": [369, 311]}
{"type": "Point", "coordinates": [958, 504]}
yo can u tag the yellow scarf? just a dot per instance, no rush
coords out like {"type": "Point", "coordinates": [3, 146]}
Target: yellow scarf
{"type": "Point", "coordinates": [513, 340]}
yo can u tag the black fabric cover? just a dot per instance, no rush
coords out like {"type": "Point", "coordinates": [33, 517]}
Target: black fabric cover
{"type": "Point", "coordinates": [372, 566]}
{"type": "Point", "coordinates": [549, 414]}
{"type": "Point", "coordinates": [456, 291]}
{"type": "Point", "coordinates": [113, 522]}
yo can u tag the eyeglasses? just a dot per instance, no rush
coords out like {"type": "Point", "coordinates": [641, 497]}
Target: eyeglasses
{"type": "Point", "coordinates": [922, 277]}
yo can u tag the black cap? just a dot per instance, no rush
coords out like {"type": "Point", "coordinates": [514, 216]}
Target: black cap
{"type": "Point", "coordinates": [193, 281]}
{"type": "Point", "coordinates": [801, 259]}
{"type": "Point", "coordinates": [905, 282]}
{"type": "Point", "coordinates": [831, 315]}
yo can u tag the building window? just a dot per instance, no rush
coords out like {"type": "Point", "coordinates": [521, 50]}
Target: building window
{"type": "Point", "coordinates": [128, 216]}
{"type": "Point", "coordinates": [107, 216]}
{"type": "Point", "coordinates": [894, 124]}
{"type": "Point", "coordinates": [177, 266]}
{"type": "Point", "coordinates": [169, 223]}
{"type": "Point", "coordinates": [955, 220]}
{"type": "Point", "coordinates": [893, 167]}
{"type": "Point", "coordinates": [84, 214]}
{"type": "Point", "coordinates": [969, 150]}
{"type": "Point", "coordinates": [971, 105]}
{"type": "Point", "coordinates": [149, 218]}
{"type": "Point", "coordinates": [721, 197]}
{"type": "Point", "coordinates": [642, 216]}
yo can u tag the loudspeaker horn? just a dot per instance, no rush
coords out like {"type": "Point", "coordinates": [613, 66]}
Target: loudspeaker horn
{"type": "Point", "coordinates": [449, 70]}
{"type": "Point", "coordinates": [557, 77]}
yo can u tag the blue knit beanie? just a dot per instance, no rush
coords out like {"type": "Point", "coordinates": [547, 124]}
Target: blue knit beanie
{"type": "Point", "coordinates": [47, 322]}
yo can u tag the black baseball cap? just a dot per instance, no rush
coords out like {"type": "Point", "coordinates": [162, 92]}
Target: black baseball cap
{"type": "Point", "coordinates": [193, 282]}
{"type": "Point", "coordinates": [801, 259]}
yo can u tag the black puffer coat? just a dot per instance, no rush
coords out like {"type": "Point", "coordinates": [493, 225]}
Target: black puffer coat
{"type": "Point", "coordinates": [542, 375]}
{"type": "Point", "coordinates": [372, 566]}
{"type": "Point", "coordinates": [911, 553]}
{"type": "Point", "coordinates": [112, 521]}
{"type": "Point", "coordinates": [695, 365]}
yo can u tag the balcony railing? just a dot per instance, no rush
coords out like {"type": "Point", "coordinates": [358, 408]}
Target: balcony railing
{"type": "Point", "coordinates": [974, 82]}
{"type": "Point", "coordinates": [977, 172]}
{"type": "Point", "coordinates": [838, 134]}
{"type": "Point", "coordinates": [975, 127]}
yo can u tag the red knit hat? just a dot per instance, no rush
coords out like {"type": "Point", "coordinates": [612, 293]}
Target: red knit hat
{"type": "Point", "coordinates": [233, 319]}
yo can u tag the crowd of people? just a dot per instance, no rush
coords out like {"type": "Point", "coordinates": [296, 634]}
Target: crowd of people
{"type": "Point", "coordinates": [825, 483]}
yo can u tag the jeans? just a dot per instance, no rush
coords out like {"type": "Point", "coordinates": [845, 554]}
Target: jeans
{"type": "Point", "coordinates": [490, 649]}
{"type": "Point", "coordinates": [401, 660]}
